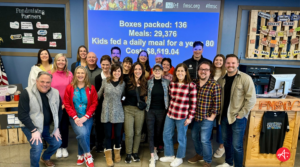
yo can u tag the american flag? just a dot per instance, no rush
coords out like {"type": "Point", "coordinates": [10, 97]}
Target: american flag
{"type": "Point", "coordinates": [3, 76]}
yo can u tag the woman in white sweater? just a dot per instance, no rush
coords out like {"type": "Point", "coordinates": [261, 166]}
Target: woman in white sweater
{"type": "Point", "coordinates": [219, 71]}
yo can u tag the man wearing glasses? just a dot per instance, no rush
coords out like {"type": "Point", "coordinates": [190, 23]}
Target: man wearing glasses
{"type": "Point", "coordinates": [196, 59]}
{"type": "Point", "coordinates": [208, 107]}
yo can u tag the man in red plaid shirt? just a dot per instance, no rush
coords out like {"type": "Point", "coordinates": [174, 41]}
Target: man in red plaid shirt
{"type": "Point", "coordinates": [208, 106]}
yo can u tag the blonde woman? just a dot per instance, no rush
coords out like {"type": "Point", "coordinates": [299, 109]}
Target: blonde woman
{"type": "Point", "coordinates": [80, 101]}
{"type": "Point", "coordinates": [62, 77]}
{"type": "Point", "coordinates": [81, 58]}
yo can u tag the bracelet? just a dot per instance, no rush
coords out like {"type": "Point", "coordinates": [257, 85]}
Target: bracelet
{"type": "Point", "coordinates": [34, 130]}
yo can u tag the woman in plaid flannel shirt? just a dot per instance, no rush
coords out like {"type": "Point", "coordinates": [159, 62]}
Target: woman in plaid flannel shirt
{"type": "Point", "coordinates": [183, 98]}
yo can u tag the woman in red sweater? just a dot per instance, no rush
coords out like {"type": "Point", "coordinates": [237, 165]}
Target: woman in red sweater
{"type": "Point", "coordinates": [80, 101]}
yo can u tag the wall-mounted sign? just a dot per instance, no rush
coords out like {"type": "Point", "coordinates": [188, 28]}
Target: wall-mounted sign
{"type": "Point", "coordinates": [297, 29]}
{"type": "Point", "coordinates": [283, 18]}
{"type": "Point", "coordinates": [16, 36]}
{"type": "Point", "coordinates": [273, 23]}
{"type": "Point", "coordinates": [295, 17]}
{"type": "Point", "coordinates": [264, 43]}
{"type": "Point", "coordinates": [283, 42]}
{"type": "Point", "coordinates": [264, 32]}
{"type": "Point", "coordinates": [283, 54]}
{"type": "Point", "coordinates": [252, 41]}
{"type": "Point", "coordinates": [296, 52]}
{"type": "Point", "coordinates": [264, 52]}
{"type": "Point", "coordinates": [280, 33]}
{"type": "Point", "coordinates": [274, 54]}
{"type": "Point", "coordinates": [256, 52]}
{"type": "Point", "coordinates": [272, 33]}
{"type": "Point", "coordinates": [266, 15]}
{"type": "Point", "coordinates": [42, 32]}
{"type": "Point", "coordinates": [288, 24]}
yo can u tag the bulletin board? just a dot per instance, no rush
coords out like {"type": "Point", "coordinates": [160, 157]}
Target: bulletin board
{"type": "Point", "coordinates": [274, 35]}
{"type": "Point", "coordinates": [32, 27]}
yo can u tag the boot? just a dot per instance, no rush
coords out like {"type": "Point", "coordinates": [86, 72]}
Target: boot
{"type": "Point", "coordinates": [117, 154]}
{"type": "Point", "coordinates": [108, 156]}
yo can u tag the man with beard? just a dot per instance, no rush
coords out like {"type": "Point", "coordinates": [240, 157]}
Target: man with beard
{"type": "Point", "coordinates": [116, 55]}
{"type": "Point", "coordinates": [208, 107]}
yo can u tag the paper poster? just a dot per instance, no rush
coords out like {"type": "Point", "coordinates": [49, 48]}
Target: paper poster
{"type": "Point", "coordinates": [42, 38]}
{"type": "Point", "coordinates": [294, 41]}
{"type": "Point", "coordinates": [280, 34]}
{"type": "Point", "coordinates": [27, 34]}
{"type": "Point", "coordinates": [274, 54]}
{"type": "Point", "coordinates": [254, 29]}
{"type": "Point", "coordinates": [16, 36]}
{"type": "Point", "coordinates": [289, 33]}
{"type": "Point", "coordinates": [252, 41]}
{"type": "Point", "coordinates": [297, 29]}
{"type": "Point", "coordinates": [40, 25]}
{"type": "Point", "coordinates": [283, 54]}
{"type": "Point", "coordinates": [296, 52]}
{"type": "Point", "coordinates": [283, 42]}
{"type": "Point", "coordinates": [281, 45]}
{"type": "Point", "coordinates": [28, 40]}
{"type": "Point", "coordinates": [10, 118]}
{"type": "Point", "coordinates": [295, 17]}
{"type": "Point", "coordinates": [273, 23]}
{"type": "Point", "coordinates": [42, 32]}
{"type": "Point", "coordinates": [14, 25]}
{"type": "Point", "coordinates": [52, 44]}
{"type": "Point", "coordinates": [57, 35]}
{"type": "Point", "coordinates": [264, 27]}
{"type": "Point", "coordinates": [264, 32]}
{"type": "Point", "coordinates": [288, 24]}
{"type": "Point", "coordinates": [26, 26]}
{"type": "Point", "coordinates": [272, 33]}
{"type": "Point", "coordinates": [264, 42]}
{"type": "Point", "coordinates": [283, 18]}
{"type": "Point", "coordinates": [264, 53]}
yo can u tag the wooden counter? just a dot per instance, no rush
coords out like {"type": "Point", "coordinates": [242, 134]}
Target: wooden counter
{"type": "Point", "coordinates": [11, 136]}
{"type": "Point", "coordinates": [252, 157]}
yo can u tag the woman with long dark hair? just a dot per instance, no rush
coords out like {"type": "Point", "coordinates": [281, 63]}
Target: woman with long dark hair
{"type": "Point", "coordinates": [81, 58]}
{"type": "Point", "coordinates": [112, 112]}
{"type": "Point", "coordinates": [136, 84]}
{"type": "Point", "coordinates": [143, 58]}
{"type": "Point", "coordinates": [183, 99]}
{"type": "Point", "coordinates": [44, 63]}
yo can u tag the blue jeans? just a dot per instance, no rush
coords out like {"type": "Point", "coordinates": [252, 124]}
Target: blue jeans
{"type": "Point", "coordinates": [181, 136]}
{"type": "Point", "coordinates": [202, 130]}
{"type": "Point", "coordinates": [83, 135]}
{"type": "Point", "coordinates": [36, 150]}
{"type": "Point", "coordinates": [233, 140]}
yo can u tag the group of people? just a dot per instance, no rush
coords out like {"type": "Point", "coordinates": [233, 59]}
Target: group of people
{"type": "Point", "coordinates": [120, 96]}
{"type": "Point", "coordinates": [126, 5]}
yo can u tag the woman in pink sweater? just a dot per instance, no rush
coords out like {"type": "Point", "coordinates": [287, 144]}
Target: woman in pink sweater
{"type": "Point", "coordinates": [62, 77]}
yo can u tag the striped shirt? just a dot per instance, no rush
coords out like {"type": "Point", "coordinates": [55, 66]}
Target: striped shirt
{"type": "Point", "coordinates": [183, 98]}
{"type": "Point", "coordinates": [208, 100]}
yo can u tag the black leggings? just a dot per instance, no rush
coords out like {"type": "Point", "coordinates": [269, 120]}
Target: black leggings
{"type": "Point", "coordinates": [117, 133]}
{"type": "Point", "coordinates": [64, 129]}
{"type": "Point", "coordinates": [155, 124]}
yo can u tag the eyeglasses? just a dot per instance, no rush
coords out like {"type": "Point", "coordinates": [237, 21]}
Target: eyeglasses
{"type": "Point", "coordinates": [205, 70]}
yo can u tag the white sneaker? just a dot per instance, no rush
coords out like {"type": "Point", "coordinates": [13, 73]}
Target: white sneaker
{"type": "Point", "coordinates": [176, 162]}
{"type": "Point", "coordinates": [152, 162]}
{"type": "Point", "coordinates": [155, 155]}
{"type": "Point", "coordinates": [167, 159]}
{"type": "Point", "coordinates": [219, 152]}
{"type": "Point", "coordinates": [59, 153]}
{"type": "Point", "coordinates": [65, 153]}
{"type": "Point", "coordinates": [224, 165]}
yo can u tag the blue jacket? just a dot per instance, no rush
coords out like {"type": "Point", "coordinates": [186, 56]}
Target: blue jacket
{"type": "Point", "coordinates": [165, 84]}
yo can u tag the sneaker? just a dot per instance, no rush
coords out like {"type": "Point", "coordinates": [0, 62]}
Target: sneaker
{"type": "Point", "coordinates": [155, 155]}
{"type": "Point", "coordinates": [80, 159]}
{"type": "Point", "coordinates": [167, 159]}
{"type": "Point", "coordinates": [176, 162]}
{"type": "Point", "coordinates": [224, 165]}
{"type": "Point", "coordinates": [195, 159]}
{"type": "Point", "coordinates": [219, 152]}
{"type": "Point", "coordinates": [65, 153]}
{"type": "Point", "coordinates": [128, 158]}
{"type": "Point", "coordinates": [135, 157]}
{"type": "Point", "coordinates": [59, 153]}
{"type": "Point", "coordinates": [152, 162]}
{"type": "Point", "coordinates": [89, 161]}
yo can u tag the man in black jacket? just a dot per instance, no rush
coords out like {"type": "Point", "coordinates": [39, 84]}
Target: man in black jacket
{"type": "Point", "coordinates": [197, 58]}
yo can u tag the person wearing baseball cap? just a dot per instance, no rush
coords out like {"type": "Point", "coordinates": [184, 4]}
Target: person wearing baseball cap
{"type": "Point", "coordinates": [158, 59]}
{"type": "Point", "coordinates": [116, 55]}
{"type": "Point", "coordinates": [157, 105]}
